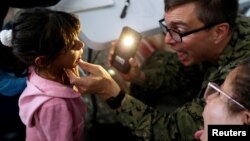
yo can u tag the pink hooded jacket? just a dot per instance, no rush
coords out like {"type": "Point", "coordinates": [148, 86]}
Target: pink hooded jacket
{"type": "Point", "coordinates": [51, 111]}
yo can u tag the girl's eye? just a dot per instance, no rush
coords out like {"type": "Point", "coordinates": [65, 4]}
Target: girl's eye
{"type": "Point", "coordinates": [73, 44]}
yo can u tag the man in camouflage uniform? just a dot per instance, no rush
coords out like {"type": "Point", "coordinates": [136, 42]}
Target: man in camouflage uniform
{"type": "Point", "coordinates": [208, 41]}
{"type": "Point", "coordinates": [184, 82]}
{"type": "Point", "coordinates": [167, 78]}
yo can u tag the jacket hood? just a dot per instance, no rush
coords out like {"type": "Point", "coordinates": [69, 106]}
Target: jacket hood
{"type": "Point", "coordinates": [37, 92]}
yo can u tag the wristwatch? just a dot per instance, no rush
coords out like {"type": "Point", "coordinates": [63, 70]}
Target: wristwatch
{"type": "Point", "coordinates": [115, 102]}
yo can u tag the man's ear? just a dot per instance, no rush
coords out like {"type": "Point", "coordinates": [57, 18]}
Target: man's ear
{"type": "Point", "coordinates": [41, 61]}
{"type": "Point", "coordinates": [246, 118]}
{"type": "Point", "coordinates": [221, 32]}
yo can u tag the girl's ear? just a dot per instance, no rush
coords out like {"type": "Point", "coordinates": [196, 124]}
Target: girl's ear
{"type": "Point", "coordinates": [41, 61]}
{"type": "Point", "coordinates": [246, 117]}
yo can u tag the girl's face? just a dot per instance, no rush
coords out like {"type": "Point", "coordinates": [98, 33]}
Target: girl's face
{"type": "Point", "coordinates": [216, 110]}
{"type": "Point", "coordinates": [70, 58]}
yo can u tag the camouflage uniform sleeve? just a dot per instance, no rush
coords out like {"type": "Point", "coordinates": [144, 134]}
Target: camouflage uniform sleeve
{"type": "Point", "coordinates": [149, 124]}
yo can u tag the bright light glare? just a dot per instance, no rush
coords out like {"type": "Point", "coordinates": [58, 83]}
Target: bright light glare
{"type": "Point", "coordinates": [128, 40]}
{"type": "Point", "coordinates": [111, 72]}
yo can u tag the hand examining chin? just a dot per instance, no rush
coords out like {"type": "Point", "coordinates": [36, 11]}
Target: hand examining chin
{"type": "Point", "coordinates": [97, 81]}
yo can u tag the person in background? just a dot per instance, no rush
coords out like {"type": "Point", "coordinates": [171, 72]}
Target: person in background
{"type": "Point", "coordinates": [12, 83]}
{"type": "Point", "coordinates": [209, 38]}
{"type": "Point", "coordinates": [47, 42]}
{"type": "Point", "coordinates": [23, 4]}
{"type": "Point", "coordinates": [228, 104]}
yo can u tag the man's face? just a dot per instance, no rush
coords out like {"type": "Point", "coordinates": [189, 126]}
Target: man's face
{"type": "Point", "coordinates": [195, 47]}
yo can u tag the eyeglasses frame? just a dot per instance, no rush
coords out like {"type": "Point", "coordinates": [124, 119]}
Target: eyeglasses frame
{"type": "Point", "coordinates": [186, 33]}
{"type": "Point", "coordinates": [217, 88]}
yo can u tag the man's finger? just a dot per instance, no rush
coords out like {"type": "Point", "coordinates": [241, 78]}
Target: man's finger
{"type": "Point", "coordinates": [88, 67]}
{"type": "Point", "coordinates": [71, 75]}
{"type": "Point", "coordinates": [133, 62]}
{"type": "Point", "coordinates": [83, 65]}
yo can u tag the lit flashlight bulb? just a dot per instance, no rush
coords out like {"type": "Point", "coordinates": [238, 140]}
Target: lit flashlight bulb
{"type": "Point", "coordinates": [128, 41]}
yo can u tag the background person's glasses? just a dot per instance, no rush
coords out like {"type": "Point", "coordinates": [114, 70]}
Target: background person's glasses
{"type": "Point", "coordinates": [213, 88]}
{"type": "Point", "coordinates": [176, 35]}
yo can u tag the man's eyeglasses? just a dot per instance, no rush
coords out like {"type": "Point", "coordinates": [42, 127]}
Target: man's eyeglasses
{"type": "Point", "coordinates": [213, 88]}
{"type": "Point", "coordinates": [176, 35]}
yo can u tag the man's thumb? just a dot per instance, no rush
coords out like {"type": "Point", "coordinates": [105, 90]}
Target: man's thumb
{"type": "Point", "coordinates": [72, 77]}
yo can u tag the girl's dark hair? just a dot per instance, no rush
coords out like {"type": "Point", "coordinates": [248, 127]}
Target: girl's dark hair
{"type": "Point", "coordinates": [211, 11]}
{"type": "Point", "coordinates": [43, 32]}
{"type": "Point", "coordinates": [241, 86]}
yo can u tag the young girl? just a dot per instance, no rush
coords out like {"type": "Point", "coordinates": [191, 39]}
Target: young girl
{"type": "Point", "coordinates": [47, 42]}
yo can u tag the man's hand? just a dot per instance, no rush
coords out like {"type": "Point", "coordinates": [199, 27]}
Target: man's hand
{"type": "Point", "coordinates": [135, 75]}
{"type": "Point", "coordinates": [98, 81]}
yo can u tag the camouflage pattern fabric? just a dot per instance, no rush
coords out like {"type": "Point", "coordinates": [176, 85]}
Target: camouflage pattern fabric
{"type": "Point", "coordinates": [161, 89]}
{"type": "Point", "coordinates": [180, 125]}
